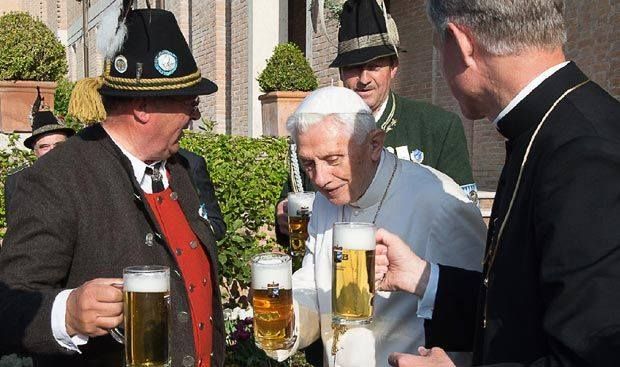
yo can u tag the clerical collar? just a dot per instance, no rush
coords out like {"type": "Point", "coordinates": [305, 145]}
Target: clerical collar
{"type": "Point", "coordinates": [379, 182]}
{"type": "Point", "coordinates": [139, 168]}
{"type": "Point", "coordinates": [527, 90]}
{"type": "Point", "coordinates": [524, 117]}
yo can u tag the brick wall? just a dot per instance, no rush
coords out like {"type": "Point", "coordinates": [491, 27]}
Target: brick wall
{"type": "Point", "coordinates": [324, 51]}
{"type": "Point", "coordinates": [238, 75]}
{"type": "Point", "coordinates": [592, 43]}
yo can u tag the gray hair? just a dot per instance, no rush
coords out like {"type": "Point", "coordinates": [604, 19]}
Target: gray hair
{"type": "Point", "coordinates": [503, 27]}
{"type": "Point", "coordinates": [359, 125]}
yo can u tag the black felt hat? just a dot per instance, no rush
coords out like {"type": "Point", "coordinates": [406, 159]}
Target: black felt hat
{"type": "Point", "coordinates": [364, 34]}
{"type": "Point", "coordinates": [44, 122]}
{"type": "Point", "coordinates": [154, 59]}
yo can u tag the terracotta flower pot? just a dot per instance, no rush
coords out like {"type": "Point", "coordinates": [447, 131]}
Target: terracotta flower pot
{"type": "Point", "coordinates": [16, 99]}
{"type": "Point", "coordinates": [276, 108]}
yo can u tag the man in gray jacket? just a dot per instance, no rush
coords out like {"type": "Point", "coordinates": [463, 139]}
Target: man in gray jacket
{"type": "Point", "coordinates": [114, 196]}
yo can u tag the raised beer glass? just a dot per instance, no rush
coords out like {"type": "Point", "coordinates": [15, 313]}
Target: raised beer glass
{"type": "Point", "coordinates": [353, 276]}
{"type": "Point", "coordinates": [146, 311]}
{"type": "Point", "coordinates": [273, 301]}
{"type": "Point", "coordinates": [299, 212]}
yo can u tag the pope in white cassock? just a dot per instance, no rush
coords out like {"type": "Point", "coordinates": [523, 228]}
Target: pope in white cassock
{"type": "Point", "coordinates": [341, 149]}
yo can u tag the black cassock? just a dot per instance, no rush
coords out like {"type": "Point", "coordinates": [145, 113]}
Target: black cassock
{"type": "Point", "coordinates": [553, 295]}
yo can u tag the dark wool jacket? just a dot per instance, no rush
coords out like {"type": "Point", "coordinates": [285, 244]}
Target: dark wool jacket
{"type": "Point", "coordinates": [79, 214]}
{"type": "Point", "coordinates": [554, 289]}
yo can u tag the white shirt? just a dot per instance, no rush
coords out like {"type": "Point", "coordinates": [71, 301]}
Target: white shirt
{"type": "Point", "coordinates": [428, 210]}
{"type": "Point", "coordinates": [59, 307]}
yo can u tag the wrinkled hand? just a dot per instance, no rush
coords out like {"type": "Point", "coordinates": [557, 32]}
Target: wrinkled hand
{"type": "Point", "coordinates": [94, 308]}
{"type": "Point", "coordinates": [282, 216]}
{"type": "Point", "coordinates": [435, 357]}
{"type": "Point", "coordinates": [397, 268]}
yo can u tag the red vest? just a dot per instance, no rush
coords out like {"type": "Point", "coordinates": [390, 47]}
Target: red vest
{"type": "Point", "coordinates": [194, 265]}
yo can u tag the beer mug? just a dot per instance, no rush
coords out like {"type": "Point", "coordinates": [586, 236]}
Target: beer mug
{"type": "Point", "coordinates": [146, 298]}
{"type": "Point", "coordinates": [272, 297]}
{"type": "Point", "coordinates": [353, 276]}
{"type": "Point", "coordinates": [299, 212]}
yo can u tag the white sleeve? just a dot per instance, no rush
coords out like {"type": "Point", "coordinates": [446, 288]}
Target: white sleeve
{"type": "Point", "coordinates": [305, 302]}
{"type": "Point", "coordinates": [426, 305]}
{"type": "Point", "coordinates": [59, 329]}
{"type": "Point", "coordinates": [456, 235]}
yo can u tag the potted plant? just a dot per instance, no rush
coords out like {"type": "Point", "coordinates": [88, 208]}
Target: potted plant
{"type": "Point", "coordinates": [286, 80]}
{"type": "Point", "coordinates": [30, 57]}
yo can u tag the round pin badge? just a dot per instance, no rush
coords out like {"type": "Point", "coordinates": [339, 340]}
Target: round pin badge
{"type": "Point", "coordinates": [120, 64]}
{"type": "Point", "coordinates": [166, 62]}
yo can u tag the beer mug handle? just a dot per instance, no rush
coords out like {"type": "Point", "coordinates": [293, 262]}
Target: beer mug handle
{"type": "Point", "coordinates": [117, 334]}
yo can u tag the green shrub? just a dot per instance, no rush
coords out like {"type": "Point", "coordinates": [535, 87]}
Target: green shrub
{"type": "Point", "coordinates": [29, 50]}
{"type": "Point", "coordinates": [62, 96]}
{"type": "Point", "coordinates": [248, 175]}
{"type": "Point", "coordinates": [12, 158]}
{"type": "Point", "coordinates": [287, 70]}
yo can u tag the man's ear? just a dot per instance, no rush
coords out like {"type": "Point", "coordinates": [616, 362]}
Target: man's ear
{"type": "Point", "coordinates": [394, 67]}
{"type": "Point", "coordinates": [141, 110]}
{"type": "Point", "coordinates": [463, 41]}
{"type": "Point", "coordinates": [377, 138]}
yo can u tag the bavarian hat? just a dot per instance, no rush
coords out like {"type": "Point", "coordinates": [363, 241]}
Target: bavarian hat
{"type": "Point", "coordinates": [147, 56]}
{"type": "Point", "coordinates": [44, 122]}
{"type": "Point", "coordinates": [366, 33]}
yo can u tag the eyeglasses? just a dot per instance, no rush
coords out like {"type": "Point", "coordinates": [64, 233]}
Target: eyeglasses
{"type": "Point", "coordinates": [189, 103]}
{"type": "Point", "coordinates": [48, 146]}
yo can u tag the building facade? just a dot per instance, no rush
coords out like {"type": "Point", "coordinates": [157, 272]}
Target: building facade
{"type": "Point", "coordinates": [231, 40]}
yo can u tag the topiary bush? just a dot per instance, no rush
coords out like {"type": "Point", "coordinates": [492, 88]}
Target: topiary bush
{"type": "Point", "coordinates": [247, 174]}
{"type": "Point", "coordinates": [62, 96]}
{"type": "Point", "coordinates": [29, 50]}
{"type": "Point", "coordinates": [287, 70]}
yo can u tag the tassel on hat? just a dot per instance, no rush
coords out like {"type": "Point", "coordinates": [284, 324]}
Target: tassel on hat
{"type": "Point", "coordinates": [390, 24]}
{"type": "Point", "coordinates": [85, 103]}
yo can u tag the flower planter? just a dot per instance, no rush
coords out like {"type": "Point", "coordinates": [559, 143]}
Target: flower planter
{"type": "Point", "coordinates": [276, 109]}
{"type": "Point", "coordinates": [16, 99]}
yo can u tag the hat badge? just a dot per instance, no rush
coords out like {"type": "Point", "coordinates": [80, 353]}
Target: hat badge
{"type": "Point", "coordinates": [120, 64]}
{"type": "Point", "coordinates": [166, 62]}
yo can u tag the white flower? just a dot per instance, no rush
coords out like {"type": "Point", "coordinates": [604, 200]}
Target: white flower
{"type": "Point", "coordinates": [242, 314]}
{"type": "Point", "coordinates": [227, 313]}
{"type": "Point", "coordinates": [249, 312]}
{"type": "Point", "coordinates": [235, 313]}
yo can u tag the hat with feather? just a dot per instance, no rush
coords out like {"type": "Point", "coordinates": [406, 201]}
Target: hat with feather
{"type": "Point", "coordinates": [146, 55]}
{"type": "Point", "coordinates": [367, 32]}
{"type": "Point", "coordinates": [44, 122]}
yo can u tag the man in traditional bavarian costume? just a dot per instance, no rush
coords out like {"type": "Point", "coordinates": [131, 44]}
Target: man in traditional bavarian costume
{"type": "Point", "coordinates": [114, 196]}
{"type": "Point", "coordinates": [368, 49]}
{"type": "Point", "coordinates": [341, 148]}
{"type": "Point", "coordinates": [48, 132]}
{"type": "Point", "coordinates": [548, 295]}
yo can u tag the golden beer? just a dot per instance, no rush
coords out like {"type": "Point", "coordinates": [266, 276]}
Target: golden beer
{"type": "Point", "coordinates": [273, 318]}
{"type": "Point", "coordinates": [146, 312]}
{"type": "Point", "coordinates": [298, 233]}
{"type": "Point", "coordinates": [353, 277]}
{"type": "Point", "coordinates": [273, 301]}
{"type": "Point", "coordinates": [299, 212]}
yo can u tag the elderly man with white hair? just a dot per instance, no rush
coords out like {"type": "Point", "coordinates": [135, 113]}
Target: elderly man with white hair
{"type": "Point", "coordinates": [341, 150]}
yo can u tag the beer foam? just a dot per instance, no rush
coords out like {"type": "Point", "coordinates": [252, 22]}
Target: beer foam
{"type": "Point", "coordinates": [354, 236]}
{"type": "Point", "coordinates": [271, 270]}
{"type": "Point", "coordinates": [146, 282]}
{"type": "Point", "coordinates": [297, 200]}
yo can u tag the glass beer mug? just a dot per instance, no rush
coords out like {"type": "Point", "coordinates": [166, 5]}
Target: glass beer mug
{"type": "Point", "coordinates": [146, 298]}
{"type": "Point", "coordinates": [353, 275]}
{"type": "Point", "coordinates": [299, 212]}
{"type": "Point", "coordinates": [272, 297]}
